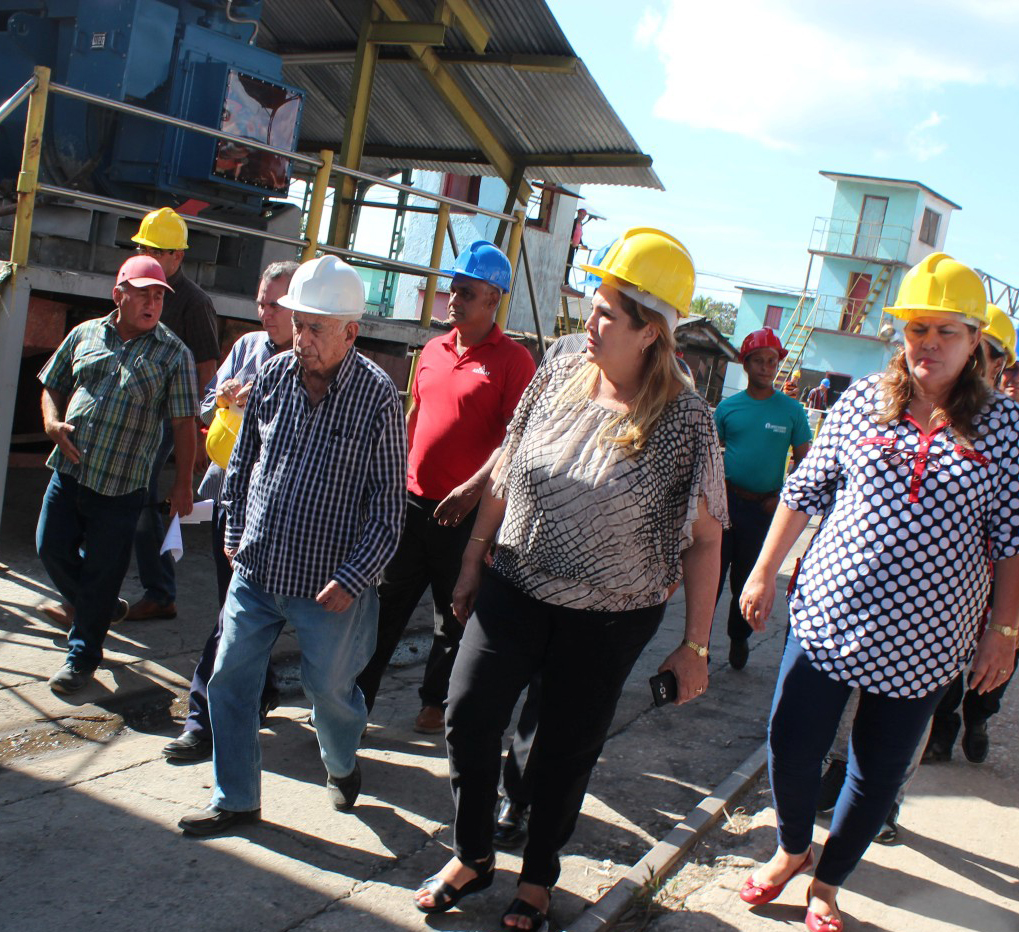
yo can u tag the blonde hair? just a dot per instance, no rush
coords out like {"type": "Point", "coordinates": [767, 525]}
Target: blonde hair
{"type": "Point", "coordinates": [969, 394]}
{"type": "Point", "coordinates": [661, 373]}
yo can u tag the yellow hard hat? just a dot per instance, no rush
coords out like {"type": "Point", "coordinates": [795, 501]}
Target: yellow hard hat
{"type": "Point", "coordinates": [939, 284]}
{"type": "Point", "coordinates": [223, 431]}
{"type": "Point", "coordinates": [656, 267]}
{"type": "Point", "coordinates": [796, 375]}
{"type": "Point", "coordinates": [162, 229]}
{"type": "Point", "coordinates": [1000, 331]}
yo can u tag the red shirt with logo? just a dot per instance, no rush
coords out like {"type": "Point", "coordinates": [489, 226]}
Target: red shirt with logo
{"type": "Point", "coordinates": [463, 405]}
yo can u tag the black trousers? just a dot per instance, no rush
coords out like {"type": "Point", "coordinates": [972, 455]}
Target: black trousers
{"type": "Point", "coordinates": [741, 545]}
{"type": "Point", "coordinates": [584, 659]}
{"type": "Point", "coordinates": [976, 708]}
{"type": "Point", "coordinates": [517, 782]}
{"type": "Point", "coordinates": [428, 555]}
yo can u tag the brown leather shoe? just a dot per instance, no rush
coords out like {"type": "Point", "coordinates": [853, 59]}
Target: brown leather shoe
{"type": "Point", "coordinates": [150, 610]}
{"type": "Point", "coordinates": [62, 614]}
{"type": "Point", "coordinates": [431, 720]}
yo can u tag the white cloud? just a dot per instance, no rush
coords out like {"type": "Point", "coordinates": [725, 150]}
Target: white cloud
{"type": "Point", "coordinates": [786, 71]}
{"type": "Point", "coordinates": [921, 142]}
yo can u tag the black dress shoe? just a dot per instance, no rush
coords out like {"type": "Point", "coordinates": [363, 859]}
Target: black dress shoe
{"type": "Point", "coordinates": [343, 791]}
{"type": "Point", "coordinates": [191, 746]}
{"type": "Point", "coordinates": [938, 751]}
{"type": "Point", "coordinates": [975, 743]}
{"type": "Point", "coordinates": [511, 825]}
{"type": "Point", "coordinates": [213, 821]}
{"type": "Point", "coordinates": [739, 653]}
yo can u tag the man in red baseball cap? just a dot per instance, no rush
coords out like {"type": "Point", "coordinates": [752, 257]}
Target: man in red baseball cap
{"type": "Point", "coordinates": [106, 391]}
{"type": "Point", "coordinates": [758, 427]}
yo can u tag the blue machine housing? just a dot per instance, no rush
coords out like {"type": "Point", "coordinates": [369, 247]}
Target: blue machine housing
{"type": "Point", "coordinates": [187, 59]}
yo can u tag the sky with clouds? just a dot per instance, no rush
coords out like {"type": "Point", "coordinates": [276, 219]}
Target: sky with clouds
{"type": "Point", "coordinates": [742, 103]}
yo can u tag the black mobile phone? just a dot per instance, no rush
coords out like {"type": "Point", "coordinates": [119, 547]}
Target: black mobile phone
{"type": "Point", "coordinates": [664, 687]}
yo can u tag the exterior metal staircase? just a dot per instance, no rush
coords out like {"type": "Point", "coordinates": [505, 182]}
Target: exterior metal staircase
{"type": "Point", "coordinates": [809, 315]}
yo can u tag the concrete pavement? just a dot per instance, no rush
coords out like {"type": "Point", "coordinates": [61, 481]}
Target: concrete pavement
{"type": "Point", "coordinates": [88, 807]}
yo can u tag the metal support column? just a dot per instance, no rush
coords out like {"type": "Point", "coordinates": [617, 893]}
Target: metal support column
{"type": "Point", "coordinates": [513, 254]}
{"type": "Point", "coordinates": [441, 219]}
{"type": "Point", "coordinates": [15, 291]}
{"type": "Point", "coordinates": [354, 130]}
{"type": "Point", "coordinates": [319, 189]}
{"type": "Point", "coordinates": [29, 176]}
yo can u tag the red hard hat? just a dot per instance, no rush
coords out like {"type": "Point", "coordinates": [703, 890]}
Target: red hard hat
{"type": "Point", "coordinates": [764, 338]}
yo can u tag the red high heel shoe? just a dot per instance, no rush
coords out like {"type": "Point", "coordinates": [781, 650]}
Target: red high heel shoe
{"type": "Point", "coordinates": [757, 894]}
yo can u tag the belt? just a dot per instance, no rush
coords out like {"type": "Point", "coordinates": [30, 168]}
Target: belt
{"type": "Point", "coordinates": [748, 495]}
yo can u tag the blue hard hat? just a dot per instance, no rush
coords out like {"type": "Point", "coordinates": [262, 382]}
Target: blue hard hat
{"type": "Point", "coordinates": [484, 261]}
{"type": "Point", "coordinates": [826, 383]}
{"type": "Point", "coordinates": [591, 280]}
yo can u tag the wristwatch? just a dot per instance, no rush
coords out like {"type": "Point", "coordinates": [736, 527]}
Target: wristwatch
{"type": "Point", "coordinates": [1005, 630]}
{"type": "Point", "coordinates": [699, 649]}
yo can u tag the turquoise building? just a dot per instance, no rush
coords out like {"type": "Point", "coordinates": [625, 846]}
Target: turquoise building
{"type": "Point", "coordinates": [877, 230]}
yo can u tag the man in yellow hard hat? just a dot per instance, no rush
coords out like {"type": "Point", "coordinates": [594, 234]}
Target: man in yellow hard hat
{"type": "Point", "coordinates": [189, 313]}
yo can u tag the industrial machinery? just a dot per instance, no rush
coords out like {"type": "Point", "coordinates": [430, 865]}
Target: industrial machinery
{"type": "Point", "coordinates": [191, 59]}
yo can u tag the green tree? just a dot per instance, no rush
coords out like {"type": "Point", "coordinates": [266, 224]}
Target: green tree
{"type": "Point", "coordinates": [721, 313]}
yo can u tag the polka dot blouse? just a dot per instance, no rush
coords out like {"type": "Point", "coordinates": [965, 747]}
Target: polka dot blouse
{"type": "Point", "coordinates": [892, 590]}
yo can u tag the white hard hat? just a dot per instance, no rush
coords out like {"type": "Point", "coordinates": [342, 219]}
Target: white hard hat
{"type": "Point", "coordinates": [326, 286]}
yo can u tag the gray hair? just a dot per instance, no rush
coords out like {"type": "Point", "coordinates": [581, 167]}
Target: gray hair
{"type": "Point", "coordinates": [277, 270]}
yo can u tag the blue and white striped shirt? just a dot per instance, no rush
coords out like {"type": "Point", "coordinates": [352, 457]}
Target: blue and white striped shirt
{"type": "Point", "coordinates": [314, 494]}
{"type": "Point", "coordinates": [245, 358]}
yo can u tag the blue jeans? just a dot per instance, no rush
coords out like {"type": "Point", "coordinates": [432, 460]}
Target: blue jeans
{"type": "Point", "coordinates": [805, 715]}
{"type": "Point", "coordinates": [84, 541]}
{"type": "Point", "coordinates": [335, 646]}
{"type": "Point", "coordinates": [155, 570]}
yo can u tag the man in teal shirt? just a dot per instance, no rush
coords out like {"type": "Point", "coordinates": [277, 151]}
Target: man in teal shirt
{"type": "Point", "coordinates": [757, 427]}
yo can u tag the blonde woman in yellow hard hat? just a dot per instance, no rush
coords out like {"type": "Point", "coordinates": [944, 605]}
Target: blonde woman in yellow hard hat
{"type": "Point", "coordinates": [610, 489]}
{"type": "Point", "coordinates": [916, 472]}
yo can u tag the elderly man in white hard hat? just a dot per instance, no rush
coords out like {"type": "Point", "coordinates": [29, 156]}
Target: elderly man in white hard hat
{"type": "Point", "coordinates": [314, 496]}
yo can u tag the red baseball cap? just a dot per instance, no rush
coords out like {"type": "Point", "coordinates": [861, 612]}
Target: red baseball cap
{"type": "Point", "coordinates": [142, 271]}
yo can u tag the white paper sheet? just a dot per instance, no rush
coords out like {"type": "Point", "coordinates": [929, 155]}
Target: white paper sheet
{"type": "Point", "coordinates": [172, 541]}
{"type": "Point", "coordinates": [201, 512]}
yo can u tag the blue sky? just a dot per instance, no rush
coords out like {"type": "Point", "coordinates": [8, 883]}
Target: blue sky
{"type": "Point", "coordinates": [741, 103]}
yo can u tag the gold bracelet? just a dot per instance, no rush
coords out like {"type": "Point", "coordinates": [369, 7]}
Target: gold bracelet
{"type": "Point", "coordinates": [1005, 630]}
{"type": "Point", "coordinates": [482, 540]}
{"type": "Point", "coordinates": [699, 649]}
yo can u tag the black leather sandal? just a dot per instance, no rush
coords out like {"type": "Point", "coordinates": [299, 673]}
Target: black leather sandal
{"type": "Point", "coordinates": [524, 909]}
{"type": "Point", "coordinates": [445, 896]}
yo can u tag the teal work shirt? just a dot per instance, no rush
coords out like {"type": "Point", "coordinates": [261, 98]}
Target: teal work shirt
{"type": "Point", "coordinates": [757, 437]}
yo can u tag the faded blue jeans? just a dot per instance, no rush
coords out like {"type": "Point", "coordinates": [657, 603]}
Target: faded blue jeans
{"type": "Point", "coordinates": [335, 647]}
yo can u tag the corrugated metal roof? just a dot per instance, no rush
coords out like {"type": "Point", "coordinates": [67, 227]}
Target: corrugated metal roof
{"type": "Point", "coordinates": [410, 125]}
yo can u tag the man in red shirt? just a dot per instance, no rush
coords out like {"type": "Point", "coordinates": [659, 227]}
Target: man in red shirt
{"type": "Point", "coordinates": [464, 393]}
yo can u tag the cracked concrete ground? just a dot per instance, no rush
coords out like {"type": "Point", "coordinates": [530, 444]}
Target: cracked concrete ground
{"type": "Point", "coordinates": [88, 807]}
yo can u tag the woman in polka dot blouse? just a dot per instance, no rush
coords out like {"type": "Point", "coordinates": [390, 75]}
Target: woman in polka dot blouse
{"type": "Point", "coordinates": [916, 475]}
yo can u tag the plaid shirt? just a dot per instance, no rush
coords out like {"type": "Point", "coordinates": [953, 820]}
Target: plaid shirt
{"type": "Point", "coordinates": [314, 494]}
{"type": "Point", "coordinates": [118, 395]}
